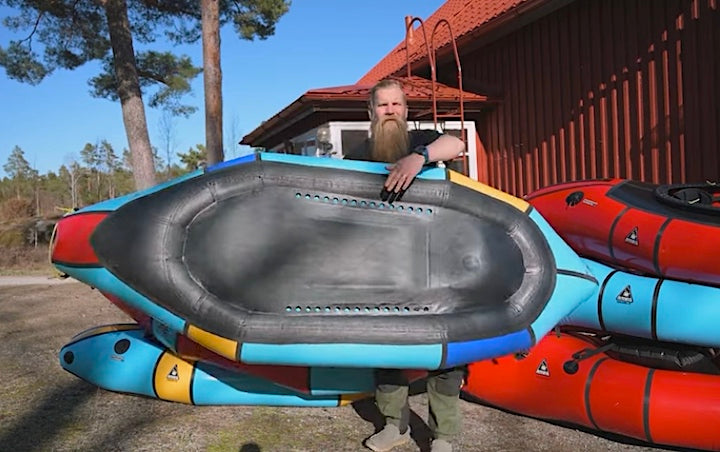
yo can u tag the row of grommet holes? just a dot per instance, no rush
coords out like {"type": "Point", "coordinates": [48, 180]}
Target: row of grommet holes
{"type": "Point", "coordinates": [356, 309]}
{"type": "Point", "coordinates": [362, 203]}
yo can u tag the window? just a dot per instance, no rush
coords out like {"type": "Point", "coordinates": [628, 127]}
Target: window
{"type": "Point", "coordinates": [352, 139]}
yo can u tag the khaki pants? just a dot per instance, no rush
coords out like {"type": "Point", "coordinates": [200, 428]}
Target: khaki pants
{"type": "Point", "coordinates": [443, 390]}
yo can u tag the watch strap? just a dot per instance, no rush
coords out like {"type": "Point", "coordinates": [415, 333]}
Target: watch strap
{"type": "Point", "coordinates": [422, 150]}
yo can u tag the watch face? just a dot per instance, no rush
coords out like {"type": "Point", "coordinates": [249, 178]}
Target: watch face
{"type": "Point", "coordinates": [422, 150]}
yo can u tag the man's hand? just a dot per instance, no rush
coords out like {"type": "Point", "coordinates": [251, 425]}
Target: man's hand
{"type": "Point", "coordinates": [403, 172]}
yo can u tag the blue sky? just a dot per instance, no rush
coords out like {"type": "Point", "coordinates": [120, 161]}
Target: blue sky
{"type": "Point", "coordinates": [318, 43]}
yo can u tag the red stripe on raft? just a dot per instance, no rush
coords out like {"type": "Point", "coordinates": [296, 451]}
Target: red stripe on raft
{"type": "Point", "coordinates": [293, 377]}
{"type": "Point", "coordinates": [140, 317]}
{"type": "Point", "coordinates": [673, 408]}
{"type": "Point", "coordinates": [616, 397]}
{"type": "Point", "coordinates": [72, 239]}
{"type": "Point", "coordinates": [685, 406]}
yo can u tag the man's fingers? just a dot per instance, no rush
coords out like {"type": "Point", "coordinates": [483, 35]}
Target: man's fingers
{"type": "Point", "coordinates": [391, 181]}
{"type": "Point", "coordinates": [406, 183]}
{"type": "Point", "coordinates": [395, 196]}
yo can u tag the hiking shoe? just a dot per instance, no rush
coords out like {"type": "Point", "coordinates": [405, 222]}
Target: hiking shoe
{"type": "Point", "coordinates": [440, 445]}
{"type": "Point", "coordinates": [387, 438]}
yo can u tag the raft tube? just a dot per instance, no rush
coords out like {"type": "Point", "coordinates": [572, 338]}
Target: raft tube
{"type": "Point", "coordinates": [568, 378]}
{"type": "Point", "coordinates": [121, 358]}
{"type": "Point", "coordinates": [648, 307]}
{"type": "Point", "coordinates": [639, 226]}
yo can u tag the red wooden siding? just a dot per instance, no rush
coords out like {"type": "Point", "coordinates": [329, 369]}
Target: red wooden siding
{"type": "Point", "coordinates": [603, 88]}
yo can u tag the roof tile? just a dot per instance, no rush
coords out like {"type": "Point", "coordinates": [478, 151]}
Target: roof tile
{"type": "Point", "coordinates": [464, 16]}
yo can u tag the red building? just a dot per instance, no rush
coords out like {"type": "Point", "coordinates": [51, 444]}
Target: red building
{"type": "Point", "coordinates": [553, 91]}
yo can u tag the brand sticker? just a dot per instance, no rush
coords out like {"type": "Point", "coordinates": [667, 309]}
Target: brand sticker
{"type": "Point", "coordinates": [625, 296]}
{"type": "Point", "coordinates": [632, 237]}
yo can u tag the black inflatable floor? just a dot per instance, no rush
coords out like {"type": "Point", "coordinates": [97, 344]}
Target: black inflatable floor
{"type": "Point", "coordinates": [275, 250]}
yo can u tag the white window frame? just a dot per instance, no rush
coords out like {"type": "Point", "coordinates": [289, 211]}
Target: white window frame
{"type": "Point", "coordinates": [336, 128]}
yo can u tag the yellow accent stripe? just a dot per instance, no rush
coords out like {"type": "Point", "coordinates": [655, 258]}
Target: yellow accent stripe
{"type": "Point", "coordinates": [347, 399]}
{"type": "Point", "coordinates": [507, 198]}
{"type": "Point", "coordinates": [172, 379]}
{"type": "Point", "coordinates": [220, 345]}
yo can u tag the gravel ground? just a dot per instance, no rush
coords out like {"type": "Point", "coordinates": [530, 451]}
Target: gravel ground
{"type": "Point", "coordinates": [45, 408]}
{"type": "Point", "coordinates": [34, 280]}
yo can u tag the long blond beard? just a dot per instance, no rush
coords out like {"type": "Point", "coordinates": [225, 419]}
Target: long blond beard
{"type": "Point", "coordinates": [390, 139]}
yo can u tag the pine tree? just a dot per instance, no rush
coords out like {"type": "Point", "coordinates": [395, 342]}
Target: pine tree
{"type": "Point", "coordinates": [20, 172]}
{"type": "Point", "coordinates": [74, 32]}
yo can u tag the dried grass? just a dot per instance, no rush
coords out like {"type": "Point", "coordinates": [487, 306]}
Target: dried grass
{"type": "Point", "coordinates": [22, 260]}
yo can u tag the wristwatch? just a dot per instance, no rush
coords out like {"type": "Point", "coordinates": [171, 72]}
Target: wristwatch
{"type": "Point", "coordinates": [422, 150]}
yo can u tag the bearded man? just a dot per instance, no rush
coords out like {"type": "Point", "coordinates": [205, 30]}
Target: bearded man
{"type": "Point", "coordinates": [407, 153]}
{"type": "Point", "coordinates": [390, 141]}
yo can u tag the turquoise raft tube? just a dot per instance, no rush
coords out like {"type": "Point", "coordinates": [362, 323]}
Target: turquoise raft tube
{"type": "Point", "coordinates": [121, 358]}
{"type": "Point", "coordinates": [648, 307]}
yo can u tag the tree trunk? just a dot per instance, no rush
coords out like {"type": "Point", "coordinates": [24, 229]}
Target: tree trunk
{"type": "Point", "coordinates": [212, 76]}
{"type": "Point", "coordinates": [133, 109]}
{"type": "Point", "coordinates": [73, 188]}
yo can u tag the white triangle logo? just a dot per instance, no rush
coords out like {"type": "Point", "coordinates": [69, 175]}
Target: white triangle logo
{"type": "Point", "coordinates": [632, 237]}
{"type": "Point", "coordinates": [543, 369]}
{"type": "Point", "coordinates": [173, 374]}
{"type": "Point", "coordinates": [625, 296]}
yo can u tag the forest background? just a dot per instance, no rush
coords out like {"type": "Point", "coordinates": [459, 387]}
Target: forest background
{"type": "Point", "coordinates": [30, 203]}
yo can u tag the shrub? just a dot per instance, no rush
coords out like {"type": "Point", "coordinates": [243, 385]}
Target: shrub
{"type": "Point", "coordinates": [24, 260]}
{"type": "Point", "coordinates": [12, 237]}
{"type": "Point", "coordinates": [15, 208]}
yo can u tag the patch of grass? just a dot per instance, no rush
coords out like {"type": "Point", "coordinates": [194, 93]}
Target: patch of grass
{"type": "Point", "coordinates": [256, 430]}
{"type": "Point", "coordinates": [291, 429]}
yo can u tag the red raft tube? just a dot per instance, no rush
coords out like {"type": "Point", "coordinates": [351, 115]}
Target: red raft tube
{"type": "Point", "coordinates": [670, 231]}
{"type": "Point", "coordinates": [577, 379]}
